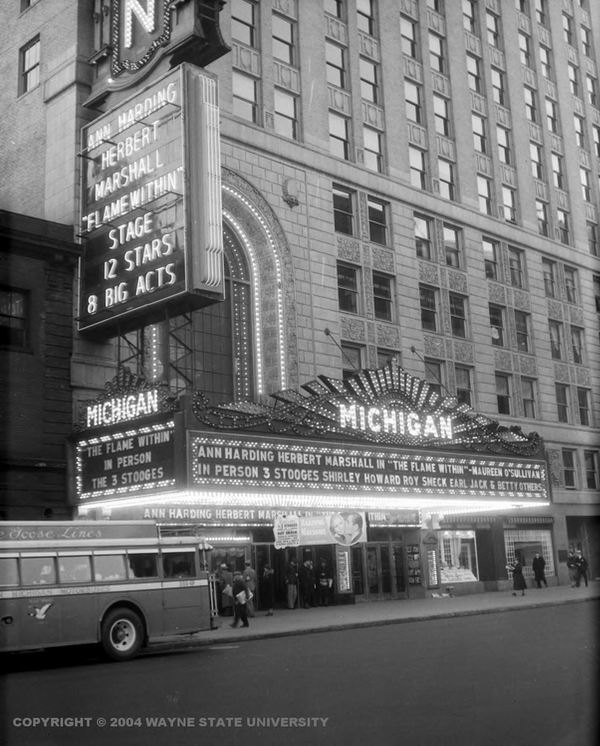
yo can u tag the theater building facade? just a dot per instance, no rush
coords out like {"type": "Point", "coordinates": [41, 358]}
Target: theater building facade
{"type": "Point", "coordinates": [403, 492]}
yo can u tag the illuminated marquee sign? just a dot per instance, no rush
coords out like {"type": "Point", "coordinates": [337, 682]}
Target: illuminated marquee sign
{"type": "Point", "coordinates": [262, 463]}
{"type": "Point", "coordinates": [122, 408]}
{"type": "Point", "coordinates": [151, 205]}
{"type": "Point", "coordinates": [395, 422]}
{"type": "Point", "coordinates": [140, 459]}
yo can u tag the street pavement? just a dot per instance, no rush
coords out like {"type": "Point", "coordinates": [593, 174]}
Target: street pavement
{"type": "Point", "coordinates": [287, 622]}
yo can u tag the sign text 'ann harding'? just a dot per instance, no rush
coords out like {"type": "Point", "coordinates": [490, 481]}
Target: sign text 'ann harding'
{"type": "Point", "coordinates": [123, 408]}
{"type": "Point", "coordinates": [394, 422]}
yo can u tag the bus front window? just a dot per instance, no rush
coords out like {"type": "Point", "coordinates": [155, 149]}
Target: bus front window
{"type": "Point", "coordinates": [179, 565]}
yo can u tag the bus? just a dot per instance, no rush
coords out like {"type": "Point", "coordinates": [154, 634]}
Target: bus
{"type": "Point", "coordinates": [118, 584]}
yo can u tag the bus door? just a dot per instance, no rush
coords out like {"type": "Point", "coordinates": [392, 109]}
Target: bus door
{"type": "Point", "coordinates": [39, 609]}
{"type": "Point", "coordinates": [184, 610]}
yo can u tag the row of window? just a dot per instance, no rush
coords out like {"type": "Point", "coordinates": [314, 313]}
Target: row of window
{"type": "Point", "coordinates": [571, 469]}
{"type": "Point", "coordinates": [87, 568]}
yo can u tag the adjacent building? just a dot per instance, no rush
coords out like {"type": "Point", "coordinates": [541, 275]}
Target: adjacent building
{"type": "Point", "coordinates": [408, 196]}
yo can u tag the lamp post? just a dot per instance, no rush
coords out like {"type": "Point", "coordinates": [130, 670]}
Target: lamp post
{"type": "Point", "coordinates": [205, 547]}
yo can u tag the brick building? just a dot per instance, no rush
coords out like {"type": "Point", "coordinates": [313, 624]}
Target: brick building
{"type": "Point", "coordinates": [407, 181]}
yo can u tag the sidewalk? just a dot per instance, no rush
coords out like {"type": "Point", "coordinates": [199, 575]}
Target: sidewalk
{"type": "Point", "coordinates": [287, 622]}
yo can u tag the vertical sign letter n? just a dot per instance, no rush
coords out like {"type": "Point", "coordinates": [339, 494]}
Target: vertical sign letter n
{"type": "Point", "coordinates": [145, 17]}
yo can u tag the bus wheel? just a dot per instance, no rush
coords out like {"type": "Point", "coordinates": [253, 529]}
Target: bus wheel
{"type": "Point", "coordinates": [122, 634]}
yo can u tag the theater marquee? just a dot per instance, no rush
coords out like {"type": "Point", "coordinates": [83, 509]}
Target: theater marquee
{"type": "Point", "coordinates": [151, 205]}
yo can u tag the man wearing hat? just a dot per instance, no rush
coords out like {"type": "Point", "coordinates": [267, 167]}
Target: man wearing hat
{"type": "Point", "coordinates": [250, 578]}
{"type": "Point", "coordinates": [225, 596]}
{"type": "Point", "coordinates": [240, 600]}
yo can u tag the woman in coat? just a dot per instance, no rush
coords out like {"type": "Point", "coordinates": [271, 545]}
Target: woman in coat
{"type": "Point", "coordinates": [519, 583]}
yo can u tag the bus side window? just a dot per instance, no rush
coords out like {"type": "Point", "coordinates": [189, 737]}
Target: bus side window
{"type": "Point", "coordinates": [38, 570]}
{"type": "Point", "coordinates": [109, 567]}
{"type": "Point", "coordinates": [75, 569]}
{"type": "Point", "coordinates": [9, 571]}
{"type": "Point", "coordinates": [179, 565]}
{"type": "Point", "coordinates": [143, 565]}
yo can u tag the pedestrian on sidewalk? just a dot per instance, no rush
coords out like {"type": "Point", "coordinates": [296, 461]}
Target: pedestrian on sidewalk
{"type": "Point", "coordinates": [240, 599]}
{"type": "Point", "coordinates": [291, 582]}
{"type": "Point", "coordinates": [306, 575]}
{"type": "Point", "coordinates": [538, 565]}
{"type": "Point", "coordinates": [225, 586]}
{"type": "Point", "coordinates": [519, 583]}
{"type": "Point", "coordinates": [572, 568]}
{"type": "Point", "coordinates": [267, 588]}
{"type": "Point", "coordinates": [324, 582]}
{"type": "Point", "coordinates": [582, 568]}
{"type": "Point", "coordinates": [250, 578]}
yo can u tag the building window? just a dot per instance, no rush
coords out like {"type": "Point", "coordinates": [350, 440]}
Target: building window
{"type": "Point", "coordinates": [484, 193]}
{"type": "Point", "coordinates": [579, 131]}
{"type": "Point", "coordinates": [549, 272]}
{"type": "Point", "coordinates": [245, 96]}
{"type": "Point", "coordinates": [243, 22]}
{"type": "Point", "coordinates": [555, 339]}
{"type": "Point", "coordinates": [591, 469]}
{"type": "Point", "coordinates": [452, 245]}
{"type": "Point", "coordinates": [408, 37]}
{"type": "Point", "coordinates": [540, 12]}
{"type": "Point", "coordinates": [502, 136]}
{"type": "Point", "coordinates": [569, 459]}
{"type": "Point", "coordinates": [592, 237]}
{"type": "Point", "coordinates": [437, 5]}
{"type": "Point", "coordinates": [436, 53]}
{"type": "Point", "coordinates": [474, 80]}
{"type": "Point", "coordinates": [596, 139]}
{"type": "Point", "coordinates": [490, 258]}
{"type": "Point", "coordinates": [557, 171]}
{"type": "Point", "coordinates": [377, 220]}
{"type": "Point", "coordinates": [524, 49]}
{"type": "Point", "coordinates": [498, 86]}
{"type": "Point", "coordinates": [369, 86]}
{"type": "Point", "coordinates": [528, 393]}
{"type": "Point", "coordinates": [434, 375]}
{"type": "Point", "coordinates": [285, 117]}
{"type": "Point", "coordinates": [422, 237]}
{"type": "Point", "coordinates": [283, 39]}
{"type": "Point", "coordinates": [335, 65]}
{"type": "Point", "coordinates": [412, 98]}
{"type": "Point", "coordinates": [522, 331]}
{"type": "Point", "coordinates": [428, 301]}
{"type": "Point", "coordinates": [351, 360]}
{"type": "Point", "coordinates": [383, 296]}
{"type": "Point", "coordinates": [458, 315]}
{"type": "Point", "coordinates": [509, 204]}
{"type": "Point", "coordinates": [516, 264]}
{"type": "Point", "coordinates": [339, 138]}
{"type": "Point", "coordinates": [531, 111]}
{"type": "Point", "coordinates": [591, 85]}
{"type": "Point", "coordinates": [586, 188]}
{"type": "Point", "coordinates": [385, 356]}
{"type": "Point", "coordinates": [583, 402]}
{"type": "Point", "coordinates": [334, 8]}
{"type": "Point", "coordinates": [373, 155]}
{"type": "Point", "coordinates": [573, 73]}
{"type": "Point", "coordinates": [562, 225]}
{"type": "Point", "coordinates": [348, 287]}
{"type": "Point", "coordinates": [577, 344]}
{"type": "Point", "coordinates": [535, 156]}
{"type": "Point", "coordinates": [29, 65]}
{"type": "Point", "coordinates": [497, 324]}
{"type": "Point", "coordinates": [522, 6]}
{"type": "Point", "coordinates": [469, 16]}
{"type": "Point", "coordinates": [541, 209]}
{"type": "Point", "coordinates": [365, 16]}
{"type": "Point", "coordinates": [571, 284]}
{"type": "Point", "coordinates": [464, 387]}
{"type": "Point", "coordinates": [551, 116]}
{"type": "Point", "coordinates": [479, 139]}
{"type": "Point", "coordinates": [14, 318]}
{"type": "Point", "coordinates": [586, 40]}
{"type": "Point", "coordinates": [562, 401]}
{"type": "Point", "coordinates": [492, 25]}
{"type": "Point", "coordinates": [441, 115]}
{"type": "Point", "coordinates": [503, 393]}
{"type": "Point", "coordinates": [546, 63]}
{"type": "Point", "coordinates": [343, 210]}
{"type": "Point", "coordinates": [416, 159]}
{"type": "Point", "coordinates": [446, 179]}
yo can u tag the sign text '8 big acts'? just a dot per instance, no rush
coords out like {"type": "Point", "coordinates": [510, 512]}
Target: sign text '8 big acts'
{"type": "Point", "coordinates": [151, 204]}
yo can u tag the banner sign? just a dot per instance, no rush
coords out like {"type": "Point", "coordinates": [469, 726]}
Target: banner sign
{"type": "Point", "coordinates": [345, 529]}
{"type": "Point", "coordinates": [151, 203]}
{"type": "Point", "coordinates": [343, 570]}
{"type": "Point", "coordinates": [75, 531]}
{"type": "Point", "coordinates": [138, 459]}
{"type": "Point", "coordinates": [252, 461]}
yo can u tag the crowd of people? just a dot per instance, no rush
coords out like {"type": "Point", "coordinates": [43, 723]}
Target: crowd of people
{"type": "Point", "coordinates": [576, 564]}
{"type": "Point", "coordinates": [306, 586]}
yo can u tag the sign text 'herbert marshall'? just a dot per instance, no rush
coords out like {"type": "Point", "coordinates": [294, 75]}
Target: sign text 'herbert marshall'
{"type": "Point", "coordinates": [148, 198]}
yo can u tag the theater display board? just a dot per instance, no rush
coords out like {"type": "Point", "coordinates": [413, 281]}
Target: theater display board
{"type": "Point", "coordinates": [151, 205]}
